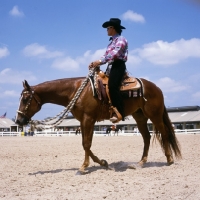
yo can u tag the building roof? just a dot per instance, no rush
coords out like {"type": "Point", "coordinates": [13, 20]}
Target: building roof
{"type": "Point", "coordinates": [188, 116]}
{"type": "Point", "coordinates": [6, 123]}
{"type": "Point", "coordinates": [175, 117]}
{"type": "Point", "coordinates": [183, 109]}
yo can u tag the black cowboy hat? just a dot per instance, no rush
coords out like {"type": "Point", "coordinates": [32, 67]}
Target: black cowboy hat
{"type": "Point", "coordinates": [113, 22]}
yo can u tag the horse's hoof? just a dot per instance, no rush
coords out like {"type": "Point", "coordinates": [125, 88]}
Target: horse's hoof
{"type": "Point", "coordinates": [132, 167]}
{"type": "Point", "coordinates": [136, 165]}
{"type": "Point", "coordinates": [80, 172]}
{"type": "Point", "coordinates": [170, 163]}
{"type": "Point", "coordinates": [139, 166]}
{"type": "Point", "coordinates": [104, 163]}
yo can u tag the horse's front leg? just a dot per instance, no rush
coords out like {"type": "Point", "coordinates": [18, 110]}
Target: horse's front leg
{"type": "Point", "coordinates": [87, 127]}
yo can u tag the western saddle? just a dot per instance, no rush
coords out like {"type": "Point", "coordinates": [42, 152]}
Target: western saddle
{"type": "Point", "coordinates": [101, 86]}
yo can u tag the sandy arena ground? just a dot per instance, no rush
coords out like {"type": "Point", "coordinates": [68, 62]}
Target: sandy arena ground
{"type": "Point", "coordinates": [45, 168]}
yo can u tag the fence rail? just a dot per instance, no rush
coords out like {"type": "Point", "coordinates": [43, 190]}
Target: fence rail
{"type": "Point", "coordinates": [96, 133]}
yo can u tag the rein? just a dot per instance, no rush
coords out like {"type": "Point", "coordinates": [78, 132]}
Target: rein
{"type": "Point", "coordinates": [63, 114]}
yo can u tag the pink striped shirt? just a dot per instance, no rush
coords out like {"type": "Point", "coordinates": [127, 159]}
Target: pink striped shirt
{"type": "Point", "coordinates": [117, 49]}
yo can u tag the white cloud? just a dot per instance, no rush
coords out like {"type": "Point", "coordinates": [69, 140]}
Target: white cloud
{"type": "Point", "coordinates": [194, 78]}
{"type": "Point", "coordinates": [66, 64]}
{"type": "Point", "coordinates": [133, 16]}
{"type": "Point", "coordinates": [167, 84]}
{"type": "Point", "coordinates": [70, 64]}
{"type": "Point", "coordinates": [39, 51]}
{"type": "Point", "coordinates": [88, 56]}
{"type": "Point", "coordinates": [4, 52]}
{"type": "Point", "coordinates": [9, 93]}
{"type": "Point", "coordinates": [133, 58]}
{"type": "Point", "coordinates": [16, 12]}
{"type": "Point", "coordinates": [165, 53]}
{"type": "Point", "coordinates": [15, 77]}
{"type": "Point", "coordinates": [196, 95]}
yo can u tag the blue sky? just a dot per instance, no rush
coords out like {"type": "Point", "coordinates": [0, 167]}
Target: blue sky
{"type": "Point", "coordinates": [47, 40]}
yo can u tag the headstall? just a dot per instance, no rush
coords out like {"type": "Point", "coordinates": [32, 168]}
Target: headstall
{"type": "Point", "coordinates": [32, 95]}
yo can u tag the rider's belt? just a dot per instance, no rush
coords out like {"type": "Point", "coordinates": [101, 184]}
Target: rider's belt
{"type": "Point", "coordinates": [116, 61]}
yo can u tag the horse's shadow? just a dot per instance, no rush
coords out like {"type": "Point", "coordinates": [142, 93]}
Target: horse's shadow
{"type": "Point", "coordinates": [122, 166]}
{"type": "Point", "coordinates": [115, 166]}
{"type": "Point", "coordinates": [52, 171]}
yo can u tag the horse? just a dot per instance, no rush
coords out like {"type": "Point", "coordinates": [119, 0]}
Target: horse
{"type": "Point", "coordinates": [108, 131]}
{"type": "Point", "coordinates": [116, 131]}
{"type": "Point", "coordinates": [89, 109]}
{"type": "Point", "coordinates": [78, 130]}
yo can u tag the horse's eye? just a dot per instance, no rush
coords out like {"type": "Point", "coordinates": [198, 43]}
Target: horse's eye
{"type": "Point", "coordinates": [25, 100]}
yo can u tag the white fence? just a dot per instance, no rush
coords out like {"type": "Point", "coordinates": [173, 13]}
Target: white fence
{"type": "Point", "coordinates": [10, 134]}
{"type": "Point", "coordinates": [96, 133]}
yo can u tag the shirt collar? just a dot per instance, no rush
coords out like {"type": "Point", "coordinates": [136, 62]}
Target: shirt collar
{"type": "Point", "coordinates": [115, 36]}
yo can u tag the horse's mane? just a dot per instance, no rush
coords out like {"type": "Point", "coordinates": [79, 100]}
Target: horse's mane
{"type": "Point", "coordinates": [60, 80]}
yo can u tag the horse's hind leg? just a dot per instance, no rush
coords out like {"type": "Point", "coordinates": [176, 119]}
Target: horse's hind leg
{"type": "Point", "coordinates": [142, 126]}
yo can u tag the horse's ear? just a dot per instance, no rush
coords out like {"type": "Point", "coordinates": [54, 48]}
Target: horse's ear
{"type": "Point", "coordinates": [26, 85]}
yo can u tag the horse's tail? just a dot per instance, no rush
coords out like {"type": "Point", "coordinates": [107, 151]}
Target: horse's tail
{"type": "Point", "coordinates": [173, 142]}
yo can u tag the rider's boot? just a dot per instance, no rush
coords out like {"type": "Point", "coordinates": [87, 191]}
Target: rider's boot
{"type": "Point", "coordinates": [115, 115]}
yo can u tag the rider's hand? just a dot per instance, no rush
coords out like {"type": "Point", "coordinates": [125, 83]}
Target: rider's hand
{"type": "Point", "coordinates": [94, 64]}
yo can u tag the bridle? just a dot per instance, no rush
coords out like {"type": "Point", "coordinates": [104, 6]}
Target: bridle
{"type": "Point", "coordinates": [32, 96]}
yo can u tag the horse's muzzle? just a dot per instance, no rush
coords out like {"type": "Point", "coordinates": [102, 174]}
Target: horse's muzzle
{"type": "Point", "coordinates": [22, 121]}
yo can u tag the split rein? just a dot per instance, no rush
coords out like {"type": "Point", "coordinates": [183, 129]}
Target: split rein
{"type": "Point", "coordinates": [63, 114]}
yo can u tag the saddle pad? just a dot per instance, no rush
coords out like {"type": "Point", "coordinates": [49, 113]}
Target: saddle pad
{"type": "Point", "coordinates": [127, 85]}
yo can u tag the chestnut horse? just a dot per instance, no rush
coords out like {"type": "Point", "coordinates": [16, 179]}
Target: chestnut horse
{"type": "Point", "coordinates": [114, 129]}
{"type": "Point", "coordinates": [89, 109]}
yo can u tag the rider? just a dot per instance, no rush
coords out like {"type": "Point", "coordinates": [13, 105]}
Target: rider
{"type": "Point", "coordinates": [116, 55]}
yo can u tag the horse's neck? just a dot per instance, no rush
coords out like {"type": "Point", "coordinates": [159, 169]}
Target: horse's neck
{"type": "Point", "coordinates": [57, 92]}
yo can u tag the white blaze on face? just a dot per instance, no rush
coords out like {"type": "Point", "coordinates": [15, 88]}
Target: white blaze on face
{"type": "Point", "coordinates": [18, 108]}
